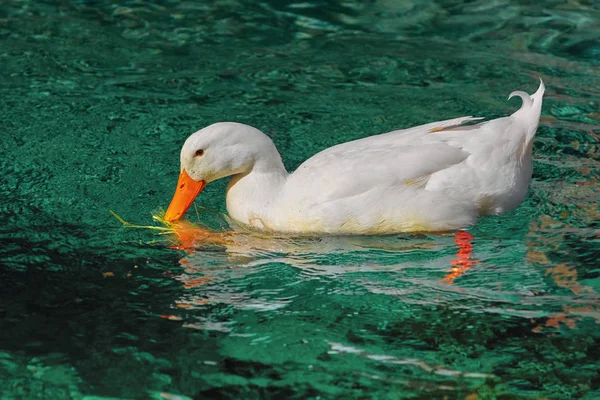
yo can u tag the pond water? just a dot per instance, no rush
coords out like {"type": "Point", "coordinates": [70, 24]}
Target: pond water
{"type": "Point", "coordinates": [97, 97]}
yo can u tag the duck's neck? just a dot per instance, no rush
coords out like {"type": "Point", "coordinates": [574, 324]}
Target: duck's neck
{"type": "Point", "coordinates": [251, 196]}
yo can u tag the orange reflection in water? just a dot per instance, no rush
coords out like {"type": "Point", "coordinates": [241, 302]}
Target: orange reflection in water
{"type": "Point", "coordinates": [464, 257]}
{"type": "Point", "coordinates": [546, 235]}
{"type": "Point", "coordinates": [190, 235]}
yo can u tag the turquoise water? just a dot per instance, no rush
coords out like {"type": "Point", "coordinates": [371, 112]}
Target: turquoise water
{"type": "Point", "coordinates": [97, 98]}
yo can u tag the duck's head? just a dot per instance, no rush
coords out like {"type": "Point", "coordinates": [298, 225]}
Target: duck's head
{"type": "Point", "coordinates": [217, 151]}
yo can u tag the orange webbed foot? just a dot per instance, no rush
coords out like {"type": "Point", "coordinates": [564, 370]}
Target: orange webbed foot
{"type": "Point", "coordinates": [464, 259]}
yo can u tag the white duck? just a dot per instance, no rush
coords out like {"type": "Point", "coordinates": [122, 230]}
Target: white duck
{"type": "Point", "coordinates": [435, 177]}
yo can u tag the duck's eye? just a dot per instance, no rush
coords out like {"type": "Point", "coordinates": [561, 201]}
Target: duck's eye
{"type": "Point", "coordinates": [199, 153]}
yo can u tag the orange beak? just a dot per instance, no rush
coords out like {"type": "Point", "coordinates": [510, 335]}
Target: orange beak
{"type": "Point", "coordinates": [186, 192]}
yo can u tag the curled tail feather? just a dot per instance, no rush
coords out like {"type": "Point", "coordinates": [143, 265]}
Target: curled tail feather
{"type": "Point", "coordinates": [527, 102]}
{"type": "Point", "coordinates": [528, 115]}
{"type": "Point", "coordinates": [530, 101]}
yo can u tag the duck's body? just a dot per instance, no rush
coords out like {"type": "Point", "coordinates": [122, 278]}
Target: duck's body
{"type": "Point", "coordinates": [435, 177]}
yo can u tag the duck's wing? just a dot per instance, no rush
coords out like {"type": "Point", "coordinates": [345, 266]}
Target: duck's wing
{"type": "Point", "coordinates": [377, 190]}
{"type": "Point", "coordinates": [353, 170]}
{"type": "Point", "coordinates": [399, 158]}
{"type": "Point", "coordinates": [378, 184]}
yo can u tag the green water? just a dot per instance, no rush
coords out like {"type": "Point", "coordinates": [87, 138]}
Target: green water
{"type": "Point", "coordinates": [96, 99]}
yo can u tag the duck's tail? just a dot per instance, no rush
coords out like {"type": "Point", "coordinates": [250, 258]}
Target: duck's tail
{"type": "Point", "coordinates": [528, 115]}
{"type": "Point", "coordinates": [533, 102]}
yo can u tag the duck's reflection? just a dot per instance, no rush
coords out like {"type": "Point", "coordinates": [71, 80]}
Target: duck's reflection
{"type": "Point", "coordinates": [215, 257]}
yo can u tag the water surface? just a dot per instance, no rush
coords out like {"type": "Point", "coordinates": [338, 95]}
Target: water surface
{"type": "Point", "coordinates": [97, 97]}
